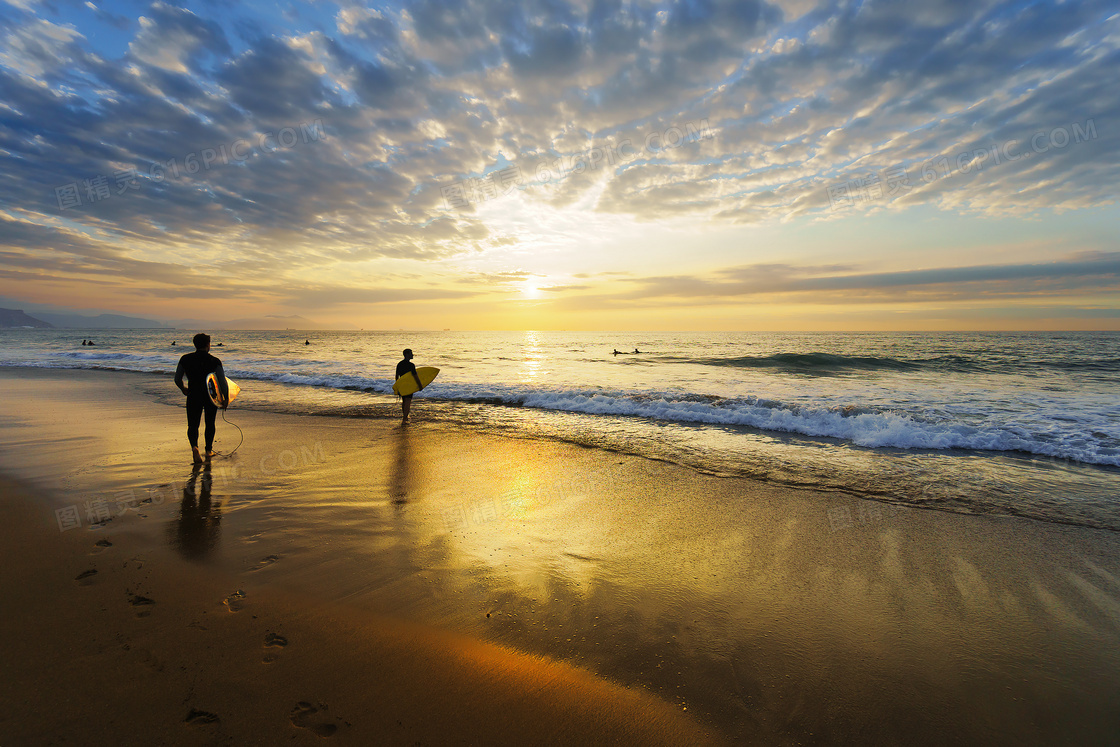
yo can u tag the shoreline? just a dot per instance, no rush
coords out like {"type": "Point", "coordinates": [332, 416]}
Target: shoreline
{"type": "Point", "coordinates": [770, 614]}
{"type": "Point", "coordinates": [1018, 484]}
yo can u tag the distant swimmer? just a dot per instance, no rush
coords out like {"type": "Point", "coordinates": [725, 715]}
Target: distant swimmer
{"type": "Point", "coordinates": [83, 341]}
{"type": "Point", "coordinates": [218, 345]}
{"type": "Point", "coordinates": [307, 342]}
{"type": "Point", "coordinates": [637, 351]}
{"type": "Point", "coordinates": [406, 366]}
{"type": "Point", "coordinates": [617, 353]}
{"type": "Point", "coordinates": [196, 367]}
{"type": "Point", "coordinates": [173, 342]}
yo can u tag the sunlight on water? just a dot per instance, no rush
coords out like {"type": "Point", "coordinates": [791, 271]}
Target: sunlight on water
{"type": "Point", "coordinates": [1024, 423]}
{"type": "Point", "coordinates": [532, 359]}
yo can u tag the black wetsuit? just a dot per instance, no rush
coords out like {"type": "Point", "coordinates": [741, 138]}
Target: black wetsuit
{"type": "Point", "coordinates": [196, 367]}
{"type": "Point", "coordinates": [404, 367]}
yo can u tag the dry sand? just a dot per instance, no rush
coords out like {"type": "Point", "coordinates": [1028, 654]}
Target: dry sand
{"type": "Point", "coordinates": [349, 579]}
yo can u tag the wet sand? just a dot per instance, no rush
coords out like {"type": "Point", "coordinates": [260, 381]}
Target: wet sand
{"type": "Point", "coordinates": [352, 579]}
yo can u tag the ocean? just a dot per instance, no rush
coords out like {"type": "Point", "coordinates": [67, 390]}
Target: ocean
{"type": "Point", "coordinates": [1017, 424]}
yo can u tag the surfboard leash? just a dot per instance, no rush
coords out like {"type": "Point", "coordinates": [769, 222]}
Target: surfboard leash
{"type": "Point", "coordinates": [235, 425]}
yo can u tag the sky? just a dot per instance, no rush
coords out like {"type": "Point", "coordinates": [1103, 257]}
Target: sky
{"type": "Point", "coordinates": [581, 165]}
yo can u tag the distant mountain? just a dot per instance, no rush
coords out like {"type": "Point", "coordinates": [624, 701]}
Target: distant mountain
{"type": "Point", "coordinates": [16, 318]}
{"type": "Point", "coordinates": [101, 321]}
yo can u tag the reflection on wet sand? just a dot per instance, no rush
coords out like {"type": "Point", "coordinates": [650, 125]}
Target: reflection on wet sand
{"type": "Point", "coordinates": [763, 616]}
{"type": "Point", "coordinates": [196, 530]}
{"type": "Point", "coordinates": [402, 479]}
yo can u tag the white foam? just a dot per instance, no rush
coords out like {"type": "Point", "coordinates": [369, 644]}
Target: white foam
{"type": "Point", "coordinates": [874, 429]}
{"type": "Point", "coordinates": [1063, 427]}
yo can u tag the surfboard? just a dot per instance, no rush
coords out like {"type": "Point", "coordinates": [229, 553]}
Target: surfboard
{"type": "Point", "coordinates": [216, 393]}
{"type": "Point", "coordinates": [406, 384]}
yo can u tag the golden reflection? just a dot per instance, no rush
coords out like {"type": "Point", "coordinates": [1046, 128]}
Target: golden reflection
{"type": "Point", "coordinates": [402, 479]}
{"type": "Point", "coordinates": [517, 496]}
{"type": "Point", "coordinates": [532, 358]}
{"type": "Point", "coordinates": [494, 512]}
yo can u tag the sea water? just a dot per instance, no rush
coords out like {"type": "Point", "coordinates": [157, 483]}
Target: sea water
{"type": "Point", "coordinates": [1021, 424]}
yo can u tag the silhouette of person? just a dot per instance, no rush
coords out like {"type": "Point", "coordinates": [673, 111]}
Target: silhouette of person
{"type": "Point", "coordinates": [405, 366]}
{"type": "Point", "coordinates": [196, 367]}
{"type": "Point", "coordinates": [402, 478]}
{"type": "Point", "coordinates": [195, 531]}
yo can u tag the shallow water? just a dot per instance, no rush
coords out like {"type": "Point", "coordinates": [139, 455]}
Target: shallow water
{"type": "Point", "coordinates": [1013, 423]}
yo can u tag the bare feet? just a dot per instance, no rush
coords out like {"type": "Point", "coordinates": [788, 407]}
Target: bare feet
{"type": "Point", "coordinates": [211, 454]}
{"type": "Point", "coordinates": [197, 455]}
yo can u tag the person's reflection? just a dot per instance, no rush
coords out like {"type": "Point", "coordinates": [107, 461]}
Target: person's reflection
{"type": "Point", "coordinates": [401, 479]}
{"type": "Point", "coordinates": [195, 531]}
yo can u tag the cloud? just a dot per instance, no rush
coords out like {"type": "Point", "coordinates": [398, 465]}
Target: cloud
{"type": "Point", "coordinates": [1096, 273]}
{"type": "Point", "coordinates": [175, 38]}
{"type": "Point", "coordinates": [801, 100]}
{"type": "Point", "coordinates": [38, 48]}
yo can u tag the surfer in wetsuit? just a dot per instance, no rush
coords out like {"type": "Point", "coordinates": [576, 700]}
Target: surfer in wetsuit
{"type": "Point", "coordinates": [404, 367]}
{"type": "Point", "coordinates": [196, 367]}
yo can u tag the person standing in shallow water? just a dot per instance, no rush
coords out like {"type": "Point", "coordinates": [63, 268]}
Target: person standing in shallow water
{"type": "Point", "coordinates": [406, 366]}
{"type": "Point", "coordinates": [196, 367]}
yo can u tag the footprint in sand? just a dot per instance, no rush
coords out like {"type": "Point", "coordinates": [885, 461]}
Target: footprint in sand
{"type": "Point", "coordinates": [141, 603]}
{"type": "Point", "coordinates": [235, 602]}
{"type": "Point", "coordinates": [201, 717]}
{"type": "Point", "coordinates": [265, 562]}
{"type": "Point", "coordinates": [148, 659]}
{"type": "Point", "coordinates": [85, 578]}
{"type": "Point", "coordinates": [273, 641]}
{"type": "Point", "coordinates": [314, 719]}
{"type": "Point", "coordinates": [100, 546]}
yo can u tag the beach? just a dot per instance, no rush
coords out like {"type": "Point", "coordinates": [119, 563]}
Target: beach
{"type": "Point", "coordinates": [766, 360]}
{"type": "Point", "coordinates": [347, 578]}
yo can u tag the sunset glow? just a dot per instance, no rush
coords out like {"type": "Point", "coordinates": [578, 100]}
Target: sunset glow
{"type": "Point", "coordinates": [630, 165]}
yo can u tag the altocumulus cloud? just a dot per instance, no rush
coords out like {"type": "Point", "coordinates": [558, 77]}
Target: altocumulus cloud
{"type": "Point", "coordinates": [402, 100]}
{"type": "Point", "coordinates": [1088, 272]}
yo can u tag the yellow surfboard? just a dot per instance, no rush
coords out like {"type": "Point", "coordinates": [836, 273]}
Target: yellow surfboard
{"type": "Point", "coordinates": [216, 393]}
{"type": "Point", "coordinates": [406, 384]}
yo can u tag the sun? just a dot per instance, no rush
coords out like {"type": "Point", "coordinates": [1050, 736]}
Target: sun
{"type": "Point", "coordinates": [530, 288]}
